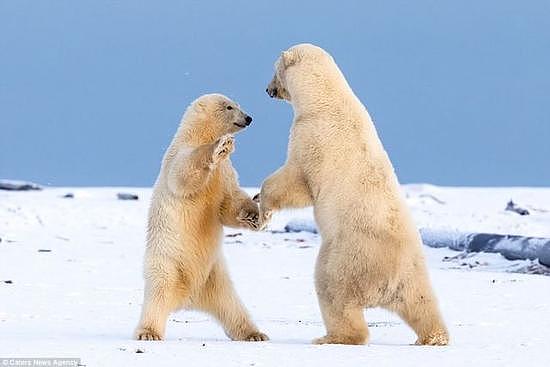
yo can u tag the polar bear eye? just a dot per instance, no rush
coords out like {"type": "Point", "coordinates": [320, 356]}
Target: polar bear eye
{"type": "Point", "coordinates": [229, 107]}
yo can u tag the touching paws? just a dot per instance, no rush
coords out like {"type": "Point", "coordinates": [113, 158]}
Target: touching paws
{"type": "Point", "coordinates": [224, 147]}
{"type": "Point", "coordinates": [265, 214]}
{"type": "Point", "coordinates": [265, 217]}
{"type": "Point", "coordinates": [256, 198]}
{"type": "Point", "coordinates": [250, 217]}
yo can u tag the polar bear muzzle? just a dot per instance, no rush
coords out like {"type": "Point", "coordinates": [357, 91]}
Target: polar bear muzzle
{"type": "Point", "coordinates": [247, 122]}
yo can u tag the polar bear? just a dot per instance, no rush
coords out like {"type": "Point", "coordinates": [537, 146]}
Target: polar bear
{"type": "Point", "coordinates": [371, 253]}
{"type": "Point", "coordinates": [195, 195]}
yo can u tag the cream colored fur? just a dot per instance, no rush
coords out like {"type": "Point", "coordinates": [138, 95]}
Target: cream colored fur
{"type": "Point", "coordinates": [371, 253]}
{"type": "Point", "coordinates": [196, 193]}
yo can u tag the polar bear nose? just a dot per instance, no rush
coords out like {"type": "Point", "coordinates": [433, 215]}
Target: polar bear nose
{"type": "Point", "coordinates": [248, 120]}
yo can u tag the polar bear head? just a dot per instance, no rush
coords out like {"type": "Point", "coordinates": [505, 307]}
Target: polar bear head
{"type": "Point", "coordinates": [306, 57]}
{"type": "Point", "coordinates": [215, 115]}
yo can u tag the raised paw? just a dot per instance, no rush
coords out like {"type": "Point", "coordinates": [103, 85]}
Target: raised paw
{"type": "Point", "coordinates": [147, 334]}
{"type": "Point", "coordinates": [256, 337]}
{"type": "Point", "coordinates": [265, 213]}
{"type": "Point", "coordinates": [250, 218]}
{"type": "Point", "coordinates": [265, 217]}
{"type": "Point", "coordinates": [224, 147]}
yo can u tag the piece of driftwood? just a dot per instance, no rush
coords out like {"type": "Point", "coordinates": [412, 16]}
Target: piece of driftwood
{"type": "Point", "coordinates": [14, 185]}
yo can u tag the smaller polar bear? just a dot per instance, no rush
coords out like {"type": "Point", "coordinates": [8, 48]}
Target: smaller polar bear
{"type": "Point", "coordinates": [371, 255]}
{"type": "Point", "coordinates": [195, 195]}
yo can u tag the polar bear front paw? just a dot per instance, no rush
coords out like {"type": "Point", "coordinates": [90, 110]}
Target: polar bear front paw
{"type": "Point", "coordinates": [249, 218]}
{"type": "Point", "coordinates": [224, 147]}
{"type": "Point", "coordinates": [265, 217]}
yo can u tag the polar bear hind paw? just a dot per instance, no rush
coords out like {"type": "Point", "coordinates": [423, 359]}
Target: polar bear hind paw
{"type": "Point", "coordinates": [256, 337]}
{"type": "Point", "coordinates": [148, 334]}
{"type": "Point", "coordinates": [436, 338]}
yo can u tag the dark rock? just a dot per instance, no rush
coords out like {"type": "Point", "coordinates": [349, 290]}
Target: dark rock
{"type": "Point", "coordinates": [126, 196]}
{"type": "Point", "coordinates": [14, 185]}
{"type": "Point", "coordinates": [230, 235]}
{"type": "Point", "coordinates": [513, 207]}
{"type": "Point", "coordinates": [44, 250]}
{"type": "Point", "coordinates": [544, 255]}
{"type": "Point", "coordinates": [68, 195]}
{"type": "Point", "coordinates": [8, 281]}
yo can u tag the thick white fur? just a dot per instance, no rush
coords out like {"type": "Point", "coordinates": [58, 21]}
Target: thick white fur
{"type": "Point", "coordinates": [371, 253]}
{"type": "Point", "coordinates": [196, 193]}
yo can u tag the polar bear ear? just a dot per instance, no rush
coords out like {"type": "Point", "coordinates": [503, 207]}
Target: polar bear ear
{"type": "Point", "coordinates": [200, 106]}
{"type": "Point", "coordinates": [289, 58]}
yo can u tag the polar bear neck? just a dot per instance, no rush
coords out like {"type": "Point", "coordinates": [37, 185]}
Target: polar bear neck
{"type": "Point", "coordinates": [320, 94]}
{"type": "Point", "coordinates": [194, 136]}
{"type": "Point", "coordinates": [195, 130]}
{"type": "Point", "coordinates": [322, 90]}
{"type": "Point", "coordinates": [318, 88]}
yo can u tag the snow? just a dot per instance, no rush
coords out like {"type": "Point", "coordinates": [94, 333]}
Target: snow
{"type": "Point", "coordinates": [468, 209]}
{"type": "Point", "coordinates": [83, 297]}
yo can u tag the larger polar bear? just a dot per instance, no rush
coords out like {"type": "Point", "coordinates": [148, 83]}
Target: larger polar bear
{"type": "Point", "coordinates": [371, 253]}
{"type": "Point", "coordinates": [196, 193]}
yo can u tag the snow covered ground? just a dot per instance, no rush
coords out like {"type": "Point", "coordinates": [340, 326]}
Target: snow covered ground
{"type": "Point", "coordinates": [71, 286]}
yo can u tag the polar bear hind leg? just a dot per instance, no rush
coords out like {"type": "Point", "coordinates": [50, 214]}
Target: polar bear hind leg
{"type": "Point", "coordinates": [218, 297]}
{"type": "Point", "coordinates": [417, 306]}
{"type": "Point", "coordinates": [345, 324]}
{"type": "Point", "coordinates": [162, 296]}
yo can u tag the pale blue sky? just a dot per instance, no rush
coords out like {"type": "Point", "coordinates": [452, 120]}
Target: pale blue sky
{"type": "Point", "coordinates": [91, 92]}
